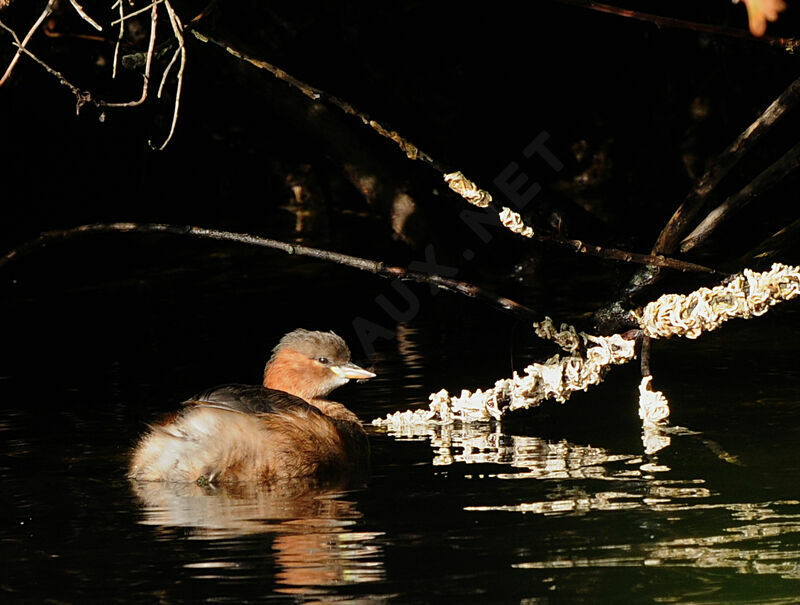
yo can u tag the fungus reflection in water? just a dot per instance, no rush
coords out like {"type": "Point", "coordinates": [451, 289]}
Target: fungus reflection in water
{"type": "Point", "coordinates": [746, 537]}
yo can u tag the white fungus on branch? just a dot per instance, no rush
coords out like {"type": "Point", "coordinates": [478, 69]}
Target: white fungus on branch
{"type": "Point", "coordinates": [513, 221]}
{"type": "Point", "coordinates": [481, 198]}
{"type": "Point", "coordinates": [654, 412]}
{"type": "Point", "coordinates": [653, 406]}
{"type": "Point", "coordinates": [557, 378]}
{"type": "Point", "coordinates": [747, 294]}
{"type": "Point", "coordinates": [467, 189]}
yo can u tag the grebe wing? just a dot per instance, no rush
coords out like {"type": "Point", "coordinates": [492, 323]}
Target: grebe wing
{"type": "Point", "coordinates": [250, 399]}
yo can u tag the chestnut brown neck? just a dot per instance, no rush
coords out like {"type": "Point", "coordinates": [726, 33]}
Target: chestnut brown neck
{"type": "Point", "coordinates": [302, 377]}
{"type": "Point", "coordinates": [294, 373]}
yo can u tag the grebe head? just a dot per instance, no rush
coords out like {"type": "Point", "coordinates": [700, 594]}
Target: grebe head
{"type": "Point", "coordinates": [311, 364]}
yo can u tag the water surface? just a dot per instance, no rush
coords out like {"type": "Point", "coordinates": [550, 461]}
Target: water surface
{"type": "Point", "coordinates": [558, 505]}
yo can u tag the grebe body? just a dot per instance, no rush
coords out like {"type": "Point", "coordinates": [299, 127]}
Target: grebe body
{"type": "Point", "coordinates": [282, 430]}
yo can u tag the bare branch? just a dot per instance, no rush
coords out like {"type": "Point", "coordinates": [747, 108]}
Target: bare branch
{"type": "Point", "coordinates": [79, 9]}
{"type": "Point", "coordinates": [588, 358]}
{"type": "Point", "coordinates": [148, 62]}
{"type": "Point", "coordinates": [135, 13]}
{"type": "Point", "coordinates": [656, 260]}
{"type": "Point", "coordinates": [121, 5]}
{"type": "Point", "coordinates": [786, 164]}
{"type": "Point", "coordinates": [675, 229]}
{"type": "Point", "coordinates": [787, 44]}
{"type": "Point", "coordinates": [21, 45]}
{"type": "Point", "coordinates": [177, 29]}
{"type": "Point", "coordinates": [316, 94]}
{"type": "Point", "coordinates": [82, 97]}
{"type": "Point", "coordinates": [456, 180]}
{"type": "Point", "coordinates": [362, 264]}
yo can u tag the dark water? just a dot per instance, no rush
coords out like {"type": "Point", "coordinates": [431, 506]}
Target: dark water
{"type": "Point", "coordinates": [556, 506]}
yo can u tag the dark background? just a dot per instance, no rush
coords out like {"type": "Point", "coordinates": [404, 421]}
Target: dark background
{"type": "Point", "coordinates": [102, 334]}
{"type": "Point", "coordinates": [635, 111]}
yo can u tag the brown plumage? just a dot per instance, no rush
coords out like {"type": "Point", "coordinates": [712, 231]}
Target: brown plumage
{"type": "Point", "coordinates": [284, 429]}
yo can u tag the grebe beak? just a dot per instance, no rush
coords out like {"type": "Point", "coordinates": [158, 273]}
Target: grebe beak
{"type": "Point", "coordinates": [351, 370]}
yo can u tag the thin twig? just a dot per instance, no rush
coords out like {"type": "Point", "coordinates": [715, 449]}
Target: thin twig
{"type": "Point", "coordinates": [79, 9]}
{"type": "Point", "coordinates": [135, 13]}
{"type": "Point", "coordinates": [203, 13]}
{"type": "Point", "coordinates": [788, 44]}
{"type": "Point", "coordinates": [316, 94]}
{"type": "Point", "coordinates": [786, 164]}
{"type": "Point", "coordinates": [121, 6]}
{"type": "Point", "coordinates": [179, 52]}
{"type": "Point", "coordinates": [81, 96]}
{"type": "Point", "coordinates": [177, 29]}
{"type": "Point", "coordinates": [362, 264]}
{"type": "Point", "coordinates": [625, 256]}
{"type": "Point", "coordinates": [148, 63]}
{"type": "Point", "coordinates": [84, 97]}
{"type": "Point", "coordinates": [21, 45]}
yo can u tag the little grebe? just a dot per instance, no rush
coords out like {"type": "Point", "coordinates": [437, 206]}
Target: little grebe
{"type": "Point", "coordinates": [282, 430]}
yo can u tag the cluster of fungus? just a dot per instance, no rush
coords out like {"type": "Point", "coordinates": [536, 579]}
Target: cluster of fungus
{"type": "Point", "coordinates": [481, 198]}
{"type": "Point", "coordinates": [587, 358]}
{"type": "Point", "coordinates": [748, 294]}
{"type": "Point", "coordinates": [557, 378]}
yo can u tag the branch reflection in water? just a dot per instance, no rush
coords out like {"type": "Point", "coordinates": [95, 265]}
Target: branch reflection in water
{"type": "Point", "coordinates": [312, 527]}
{"type": "Point", "coordinates": [748, 537]}
{"type": "Point", "coordinates": [485, 443]}
{"type": "Point", "coordinates": [757, 546]}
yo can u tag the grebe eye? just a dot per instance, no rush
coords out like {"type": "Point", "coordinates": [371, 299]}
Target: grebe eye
{"type": "Point", "coordinates": [323, 360]}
